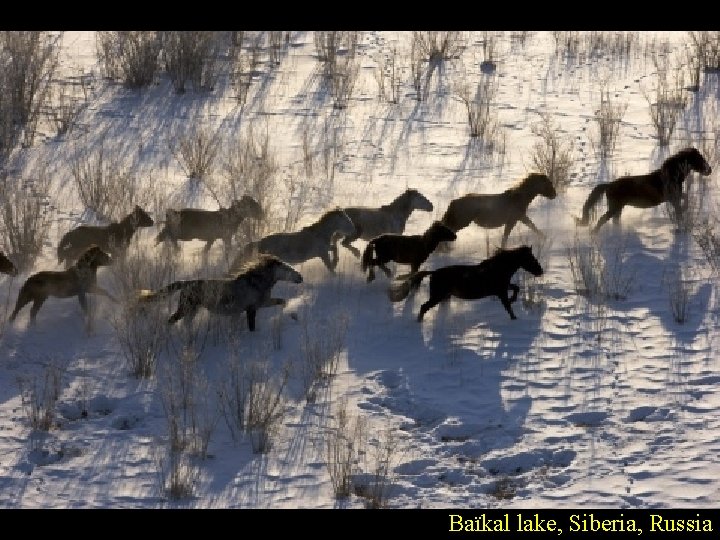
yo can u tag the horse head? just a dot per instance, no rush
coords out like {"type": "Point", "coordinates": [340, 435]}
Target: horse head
{"type": "Point", "coordinates": [541, 184]}
{"type": "Point", "coordinates": [528, 261]}
{"type": "Point", "coordinates": [141, 218]}
{"type": "Point", "coordinates": [284, 272]}
{"type": "Point", "coordinates": [248, 206]}
{"type": "Point", "coordinates": [696, 161]}
{"type": "Point", "coordinates": [440, 232]}
{"type": "Point", "coordinates": [418, 201]}
{"type": "Point", "coordinates": [94, 257]}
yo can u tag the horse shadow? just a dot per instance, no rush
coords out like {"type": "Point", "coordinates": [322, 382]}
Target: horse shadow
{"type": "Point", "coordinates": [662, 283]}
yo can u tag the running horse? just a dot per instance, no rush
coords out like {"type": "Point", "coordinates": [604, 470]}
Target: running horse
{"type": "Point", "coordinates": [389, 218]}
{"type": "Point", "coordinates": [246, 291]}
{"type": "Point", "coordinates": [470, 282]}
{"type": "Point", "coordinates": [499, 209]}
{"type": "Point", "coordinates": [664, 184]}
{"type": "Point", "coordinates": [310, 242]}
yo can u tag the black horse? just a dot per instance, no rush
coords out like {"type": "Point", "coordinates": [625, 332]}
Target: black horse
{"type": "Point", "coordinates": [647, 190]}
{"type": "Point", "coordinates": [471, 282]}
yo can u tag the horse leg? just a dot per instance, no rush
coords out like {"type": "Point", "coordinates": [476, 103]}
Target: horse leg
{"type": "Point", "coordinates": [515, 289]}
{"type": "Point", "coordinates": [371, 272]}
{"type": "Point", "coordinates": [508, 227]}
{"type": "Point", "coordinates": [614, 210]}
{"type": "Point", "coordinates": [37, 304]}
{"type": "Point", "coordinates": [251, 312]}
{"type": "Point", "coordinates": [385, 269]}
{"type": "Point", "coordinates": [506, 303]}
{"type": "Point", "coordinates": [181, 312]}
{"type": "Point", "coordinates": [208, 245]}
{"type": "Point", "coordinates": [23, 299]}
{"type": "Point", "coordinates": [527, 221]}
{"type": "Point", "coordinates": [348, 239]}
{"type": "Point", "coordinates": [83, 300]}
{"type": "Point", "coordinates": [437, 295]}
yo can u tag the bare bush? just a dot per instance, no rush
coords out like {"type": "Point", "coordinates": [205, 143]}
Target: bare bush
{"type": "Point", "coordinates": [249, 167]}
{"type": "Point", "coordinates": [140, 330]}
{"type": "Point", "coordinates": [418, 71]}
{"type": "Point", "coordinates": [608, 118]}
{"type": "Point", "coordinates": [342, 81]}
{"type": "Point", "coordinates": [196, 152]}
{"type": "Point", "coordinates": [330, 45]}
{"type": "Point", "coordinates": [668, 100]}
{"type": "Point", "coordinates": [64, 111]}
{"type": "Point", "coordinates": [129, 56]}
{"type": "Point", "coordinates": [708, 238]}
{"type": "Point", "coordinates": [483, 123]}
{"type": "Point", "coordinates": [28, 61]}
{"type": "Point", "coordinates": [552, 155]}
{"type": "Point", "coordinates": [275, 39]}
{"type": "Point", "coordinates": [706, 48]}
{"type": "Point", "coordinates": [39, 395]}
{"type": "Point", "coordinates": [436, 46]}
{"type": "Point", "coordinates": [265, 405]}
{"type": "Point", "coordinates": [105, 184]}
{"type": "Point", "coordinates": [389, 75]}
{"type": "Point", "coordinates": [26, 217]}
{"type": "Point", "coordinates": [343, 446]}
{"type": "Point", "coordinates": [191, 57]}
{"type": "Point", "coordinates": [600, 270]}
{"type": "Point", "coordinates": [177, 474]}
{"type": "Point", "coordinates": [190, 413]}
{"type": "Point", "coordinates": [381, 458]}
{"type": "Point", "coordinates": [321, 346]}
{"type": "Point", "coordinates": [679, 292]}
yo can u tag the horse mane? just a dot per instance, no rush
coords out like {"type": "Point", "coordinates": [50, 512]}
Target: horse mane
{"type": "Point", "coordinates": [321, 220]}
{"type": "Point", "coordinates": [522, 184]}
{"type": "Point", "coordinates": [257, 265]}
{"type": "Point", "coordinates": [403, 197]}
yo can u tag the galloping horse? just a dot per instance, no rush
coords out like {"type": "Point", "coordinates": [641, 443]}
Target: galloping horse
{"type": "Point", "coordinates": [208, 225]}
{"type": "Point", "coordinates": [315, 240]}
{"type": "Point", "coordinates": [78, 280]}
{"type": "Point", "coordinates": [390, 218]}
{"type": "Point", "coordinates": [112, 238]}
{"type": "Point", "coordinates": [647, 190]}
{"type": "Point", "coordinates": [495, 210]}
{"type": "Point", "coordinates": [470, 282]}
{"type": "Point", "coordinates": [247, 291]}
{"type": "Point", "coordinates": [405, 249]}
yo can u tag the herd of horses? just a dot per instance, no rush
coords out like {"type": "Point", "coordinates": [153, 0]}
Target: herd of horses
{"type": "Point", "coordinates": [259, 265]}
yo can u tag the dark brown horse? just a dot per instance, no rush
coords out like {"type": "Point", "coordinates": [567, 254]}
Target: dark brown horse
{"type": "Point", "coordinates": [78, 280]}
{"type": "Point", "coordinates": [647, 190]}
{"type": "Point", "coordinates": [405, 249]}
{"type": "Point", "coordinates": [247, 291]}
{"type": "Point", "coordinates": [7, 266]}
{"type": "Point", "coordinates": [208, 225]}
{"type": "Point", "coordinates": [499, 209]}
{"type": "Point", "coordinates": [470, 282]}
{"type": "Point", "coordinates": [389, 218]}
{"type": "Point", "coordinates": [112, 238]}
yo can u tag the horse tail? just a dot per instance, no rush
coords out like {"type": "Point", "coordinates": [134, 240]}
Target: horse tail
{"type": "Point", "coordinates": [400, 291]}
{"type": "Point", "coordinates": [595, 195]}
{"type": "Point", "coordinates": [145, 295]}
{"type": "Point", "coordinates": [367, 255]}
